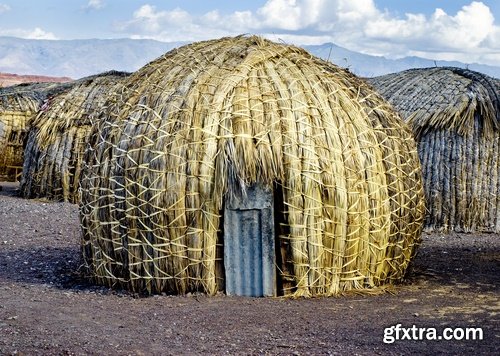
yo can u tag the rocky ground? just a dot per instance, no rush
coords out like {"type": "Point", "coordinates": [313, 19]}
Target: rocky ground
{"type": "Point", "coordinates": [47, 308]}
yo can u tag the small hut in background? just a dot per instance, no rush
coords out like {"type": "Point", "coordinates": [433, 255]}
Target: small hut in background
{"type": "Point", "coordinates": [18, 105]}
{"type": "Point", "coordinates": [57, 139]}
{"type": "Point", "coordinates": [250, 167]}
{"type": "Point", "coordinates": [455, 117]}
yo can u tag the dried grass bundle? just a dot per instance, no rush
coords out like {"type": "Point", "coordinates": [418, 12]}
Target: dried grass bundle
{"type": "Point", "coordinates": [205, 121]}
{"type": "Point", "coordinates": [455, 117]}
{"type": "Point", "coordinates": [57, 138]}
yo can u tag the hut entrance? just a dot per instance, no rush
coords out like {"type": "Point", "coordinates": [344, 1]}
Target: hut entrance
{"type": "Point", "coordinates": [249, 244]}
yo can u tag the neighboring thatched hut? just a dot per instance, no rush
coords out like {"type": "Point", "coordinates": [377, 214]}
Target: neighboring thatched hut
{"type": "Point", "coordinates": [455, 117]}
{"type": "Point", "coordinates": [57, 139]}
{"type": "Point", "coordinates": [219, 147]}
{"type": "Point", "coordinates": [19, 104]}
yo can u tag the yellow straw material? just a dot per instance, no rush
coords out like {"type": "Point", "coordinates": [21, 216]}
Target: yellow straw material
{"type": "Point", "coordinates": [58, 136]}
{"type": "Point", "coordinates": [203, 122]}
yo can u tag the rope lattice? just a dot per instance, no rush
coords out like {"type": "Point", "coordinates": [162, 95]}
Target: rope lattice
{"type": "Point", "coordinates": [58, 137]}
{"type": "Point", "coordinates": [202, 122]}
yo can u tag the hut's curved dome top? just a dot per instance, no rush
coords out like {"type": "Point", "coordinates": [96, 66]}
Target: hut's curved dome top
{"type": "Point", "coordinates": [72, 104]}
{"type": "Point", "coordinates": [220, 66]}
{"type": "Point", "coordinates": [21, 97]}
{"type": "Point", "coordinates": [233, 95]}
{"type": "Point", "coordinates": [30, 96]}
{"type": "Point", "coordinates": [443, 97]}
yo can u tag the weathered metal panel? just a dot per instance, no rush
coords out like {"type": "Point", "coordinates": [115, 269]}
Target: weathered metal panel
{"type": "Point", "coordinates": [249, 252]}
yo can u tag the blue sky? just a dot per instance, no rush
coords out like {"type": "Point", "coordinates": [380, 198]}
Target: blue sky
{"type": "Point", "coordinates": [468, 31]}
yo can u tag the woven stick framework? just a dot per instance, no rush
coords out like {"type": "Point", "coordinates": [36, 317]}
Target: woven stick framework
{"type": "Point", "coordinates": [206, 120]}
{"type": "Point", "coordinates": [58, 136]}
{"type": "Point", "coordinates": [455, 117]}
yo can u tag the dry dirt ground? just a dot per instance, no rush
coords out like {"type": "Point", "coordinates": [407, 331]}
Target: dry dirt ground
{"type": "Point", "coordinates": [47, 308]}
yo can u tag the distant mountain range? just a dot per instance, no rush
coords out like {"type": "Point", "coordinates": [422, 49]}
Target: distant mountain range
{"type": "Point", "coordinates": [371, 66]}
{"type": "Point", "coordinates": [80, 58]}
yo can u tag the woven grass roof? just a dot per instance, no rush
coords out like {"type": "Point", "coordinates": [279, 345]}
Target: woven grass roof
{"type": "Point", "coordinates": [203, 122]}
{"type": "Point", "coordinates": [443, 97]}
{"type": "Point", "coordinates": [58, 135]}
{"type": "Point", "coordinates": [455, 117]}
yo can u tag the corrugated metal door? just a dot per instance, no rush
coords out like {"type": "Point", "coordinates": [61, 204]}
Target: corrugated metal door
{"type": "Point", "coordinates": [249, 251]}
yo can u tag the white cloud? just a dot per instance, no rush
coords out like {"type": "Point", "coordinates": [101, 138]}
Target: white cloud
{"type": "Point", "coordinates": [273, 12]}
{"type": "Point", "coordinates": [319, 15]}
{"type": "Point", "coordinates": [35, 34]}
{"type": "Point", "coordinates": [40, 34]}
{"type": "Point", "coordinates": [150, 20]}
{"type": "Point", "coordinates": [94, 5]}
{"type": "Point", "coordinates": [356, 10]}
{"type": "Point", "coordinates": [466, 30]}
{"type": "Point", "coordinates": [493, 39]}
{"type": "Point", "coordinates": [179, 25]}
{"type": "Point", "coordinates": [4, 8]}
{"type": "Point", "coordinates": [468, 35]}
{"type": "Point", "coordinates": [237, 22]}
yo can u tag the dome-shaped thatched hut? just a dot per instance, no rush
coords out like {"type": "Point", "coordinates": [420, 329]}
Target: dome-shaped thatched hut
{"type": "Point", "coordinates": [455, 117]}
{"type": "Point", "coordinates": [19, 104]}
{"type": "Point", "coordinates": [58, 137]}
{"type": "Point", "coordinates": [222, 153]}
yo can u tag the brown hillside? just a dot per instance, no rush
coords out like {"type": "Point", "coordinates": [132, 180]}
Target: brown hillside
{"type": "Point", "coordinates": [7, 79]}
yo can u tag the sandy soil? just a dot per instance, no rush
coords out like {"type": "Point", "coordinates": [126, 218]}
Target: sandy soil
{"type": "Point", "coordinates": [47, 308]}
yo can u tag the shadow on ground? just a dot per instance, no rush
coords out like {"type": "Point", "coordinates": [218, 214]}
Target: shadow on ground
{"type": "Point", "coordinates": [466, 260]}
{"type": "Point", "coordinates": [58, 267]}
{"type": "Point", "coordinates": [470, 265]}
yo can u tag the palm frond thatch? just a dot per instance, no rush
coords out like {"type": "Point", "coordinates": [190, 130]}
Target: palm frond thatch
{"type": "Point", "coordinates": [455, 116]}
{"type": "Point", "coordinates": [203, 122]}
{"type": "Point", "coordinates": [57, 138]}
